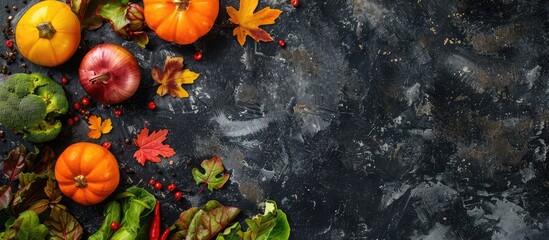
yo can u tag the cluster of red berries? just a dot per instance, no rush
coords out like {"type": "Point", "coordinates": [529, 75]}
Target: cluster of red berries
{"type": "Point", "coordinates": [80, 107]}
{"type": "Point", "coordinates": [171, 188]}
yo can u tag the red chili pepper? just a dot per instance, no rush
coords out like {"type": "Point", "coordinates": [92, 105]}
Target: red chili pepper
{"type": "Point", "coordinates": [154, 230]}
{"type": "Point", "coordinates": [166, 233]}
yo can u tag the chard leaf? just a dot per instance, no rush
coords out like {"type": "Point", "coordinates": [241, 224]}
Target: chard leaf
{"type": "Point", "coordinates": [45, 164]}
{"type": "Point", "coordinates": [86, 12]}
{"type": "Point", "coordinates": [62, 225]}
{"type": "Point", "coordinates": [14, 163]}
{"type": "Point", "coordinates": [5, 196]}
{"type": "Point", "coordinates": [28, 195]}
{"type": "Point", "coordinates": [210, 220]}
{"type": "Point", "coordinates": [40, 206]}
{"type": "Point", "coordinates": [230, 233]}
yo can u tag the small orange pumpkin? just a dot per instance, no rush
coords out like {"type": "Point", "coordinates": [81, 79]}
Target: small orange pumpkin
{"type": "Point", "coordinates": [86, 172]}
{"type": "Point", "coordinates": [180, 21]}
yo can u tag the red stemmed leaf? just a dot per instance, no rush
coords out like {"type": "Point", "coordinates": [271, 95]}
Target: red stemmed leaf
{"type": "Point", "coordinates": [150, 146]}
{"type": "Point", "coordinates": [213, 167]}
{"type": "Point", "coordinates": [16, 161]}
{"type": "Point", "coordinates": [62, 225]}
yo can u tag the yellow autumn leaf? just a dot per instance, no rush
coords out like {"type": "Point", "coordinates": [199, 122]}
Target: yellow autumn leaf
{"type": "Point", "coordinates": [248, 22]}
{"type": "Point", "coordinates": [97, 127]}
{"type": "Point", "coordinates": [172, 77]}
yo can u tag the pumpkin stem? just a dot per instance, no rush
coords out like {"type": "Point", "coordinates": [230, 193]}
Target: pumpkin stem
{"type": "Point", "coordinates": [100, 78]}
{"type": "Point", "coordinates": [182, 5]}
{"type": "Point", "coordinates": [45, 30]}
{"type": "Point", "coordinates": [80, 181]}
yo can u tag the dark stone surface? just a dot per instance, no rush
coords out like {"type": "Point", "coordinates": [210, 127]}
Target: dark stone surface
{"type": "Point", "coordinates": [381, 119]}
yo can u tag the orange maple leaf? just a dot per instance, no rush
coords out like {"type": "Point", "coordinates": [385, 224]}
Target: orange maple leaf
{"type": "Point", "coordinates": [248, 21]}
{"type": "Point", "coordinates": [150, 146]}
{"type": "Point", "coordinates": [97, 127]}
{"type": "Point", "coordinates": [172, 76]}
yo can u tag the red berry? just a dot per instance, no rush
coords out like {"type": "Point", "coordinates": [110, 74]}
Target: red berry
{"type": "Point", "coordinates": [70, 122]}
{"type": "Point", "coordinates": [178, 195]}
{"type": "Point", "coordinates": [76, 119]}
{"type": "Point", "coordinates": [117, 112]}
{"type": "Point", "coordinates": [85, 101]}
{"type": "Point", "coordinates": [171, 187]}
{"type": "Point", "coordinates": [9, 43]}
{"type": "Point", "coordinates": [64, 80]}
{"type": "Point", "coordinates": [158, 185]}
{"type": "Point", "coordinates": [197, 56]}
{"type": "Point", "coordinates": [151, 105]}
{"type": "Point", "coordinates": [281, 43]}
{"type": "Point", "coordinates": [114, 226]}
{"type": "Point", "coordinates": [152, 182]}
{"type": "Point", "coordinates": [76, 106]}
{"type": "Point", "coordinates": [295, 3]}
{"type": "Point", "coordinates": [106, 145]}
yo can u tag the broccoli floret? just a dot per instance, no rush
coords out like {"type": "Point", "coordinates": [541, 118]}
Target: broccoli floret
{"type": "Point", "coordinates": [30, 103]}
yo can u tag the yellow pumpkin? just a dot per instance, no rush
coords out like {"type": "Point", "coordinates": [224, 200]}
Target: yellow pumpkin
{"type": "Point", "coordinates": [86, 172]}
{"type": "Point", "coordinates": [48, 33]}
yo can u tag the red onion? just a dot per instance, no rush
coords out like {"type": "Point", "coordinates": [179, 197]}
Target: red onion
{"type": "Point", "coordinates": [109, 73]}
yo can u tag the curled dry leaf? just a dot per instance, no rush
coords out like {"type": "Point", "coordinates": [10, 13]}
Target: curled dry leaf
{"type": "Point", "coordinates": [248, 22]}
{"type": "Point", "coordinates": [172, 77]}
{"type": "Point", "coordinates": [97, 127]}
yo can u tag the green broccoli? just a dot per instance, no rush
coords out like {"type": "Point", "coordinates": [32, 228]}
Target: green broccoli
{"type": "Point", "coordinates": [30, 104]}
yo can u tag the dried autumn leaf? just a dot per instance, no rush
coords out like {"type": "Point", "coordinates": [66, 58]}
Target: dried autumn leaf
{"type": "Point", "coordinates": [62, 225]}
{"type": "Point", "coordinates": [172, 76]}
{"type": "Point", "coordinates": [212, 167]}
{"type": "Point", "coordinates": [150, 146]}
{"type": "Point", "coordinates": [248, 22]}
{"type": "Point", "coordinates": [97, 127]}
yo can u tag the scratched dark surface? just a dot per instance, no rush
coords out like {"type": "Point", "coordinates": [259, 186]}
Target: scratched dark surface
{"type": "Point", "coordinates": [380, 119]}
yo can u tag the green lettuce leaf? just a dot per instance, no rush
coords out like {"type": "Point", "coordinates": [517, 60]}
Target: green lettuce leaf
{"type": "Point", "coordinates": [137, 206]}
{"type": "Point", "coordinates": [27, 227]}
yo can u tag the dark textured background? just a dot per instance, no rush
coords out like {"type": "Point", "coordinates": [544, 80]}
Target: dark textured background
{"type": "Point", "coordinates": [386, 119]}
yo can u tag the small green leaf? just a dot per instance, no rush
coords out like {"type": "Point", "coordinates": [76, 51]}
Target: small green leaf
{"type": "Point", "coordinates": [115, 12]}
{"type": "Point", "coordinates": [62, 225]}
{"type": "Point", "coordinates": [213, 167]}
{"type": "Point", "coordinates": [27, 227]}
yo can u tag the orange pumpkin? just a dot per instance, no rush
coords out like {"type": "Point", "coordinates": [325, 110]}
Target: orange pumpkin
{"type": "Point", "coordinates": [180, 21]}
{"type": "Point", "coordinates": [86, 172]}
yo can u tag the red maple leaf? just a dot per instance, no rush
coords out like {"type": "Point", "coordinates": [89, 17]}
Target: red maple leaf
{"type": "Point", "coordinates": [150, 146]}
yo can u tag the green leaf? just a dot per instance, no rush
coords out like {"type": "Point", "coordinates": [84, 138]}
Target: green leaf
{"type": "Point", "coordinates": [137, 206]}
{"type": "Point", "coordinates": [213, 167]}
{"type": "Point", "coordinates": [27, 227]}
{"type": "Point", "coordinates": [230, 233]}
{"type": "Point", "coordinates": [115, 12]}
{"type": "Point", "coordinates": [5, 196]}
{"type": "Point", "coordinates": [62, 225]}
{"type": "Point", "coordinates": [112, 213]}
{"type": "Point", "coordinates": [272, 225]}
{"type": "Point", "coordinates": [210, 220]}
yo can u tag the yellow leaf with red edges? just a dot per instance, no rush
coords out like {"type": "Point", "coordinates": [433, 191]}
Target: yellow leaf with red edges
{"type": "Point", "coordinates": [172, 77]}
{"type": "Point", "coordinates": [97, 127]}
{"type": "Point", "coordinates": [249, 22]}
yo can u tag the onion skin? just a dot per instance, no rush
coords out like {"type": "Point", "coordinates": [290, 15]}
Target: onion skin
{"type": "Point", "coordinates": [109, 73]}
